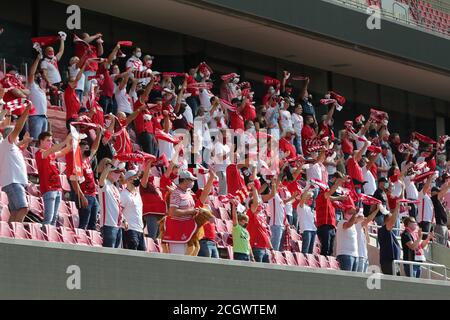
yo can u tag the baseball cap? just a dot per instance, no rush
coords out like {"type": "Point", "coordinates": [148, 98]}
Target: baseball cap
{"type": "Point", "coordinates": [130, 174]}
{"type": "Point", "coordinates": [187, 175]}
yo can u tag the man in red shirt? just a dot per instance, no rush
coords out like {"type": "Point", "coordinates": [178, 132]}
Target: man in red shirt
{"type": "Point", "coordinates": [71, 100]}
{"type": "Point", "coordinates": [286, 145]}
{"type": "Point", "coordinates": [86, 192]}
{"type": "Point", "coordinates": [308, 133]}
{"type": "Point", "coordinates": [326, 215]}
{"type": "Point", "coordinates": [107, 84]}
{"type": "Point", "coordinates": [50, 181]}
{"type": "Point", "coordinates": [236, 118]}
{"type": "Point", "coordinates": [93, 51]}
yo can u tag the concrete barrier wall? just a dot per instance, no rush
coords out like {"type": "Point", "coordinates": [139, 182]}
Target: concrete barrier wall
{"type": "Point", "coordinates": [38, 270]}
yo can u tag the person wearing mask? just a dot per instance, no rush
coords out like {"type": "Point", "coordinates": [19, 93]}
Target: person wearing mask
{"type": "Point", "coordinates": [413, 247]}
{"type": "Point", "coordinates": [51, 75]}
{"type": "Point", "coordinates": [111, 220]}
{"type": "Point", "coordinates": [38, 122]}
{"type": "Point", "coordinates": [86, 192]}
{"type": "Point", "coordinates": [13, 177]}
{"type": "Point", "coordinates": [380, 194]}
{"type": "Point", "coordinates": [306, 219]}
{"type": "Point", "coordinates": [277, 213]}
{"type": "Point", "coordinates": [347, 240]}
{"type": "Point", "coordinates": [389, 246]}
{"type": "Point", "coordinates": [107, 85]}
{"type": "Point", "coordinates": [309, 132]}
{"type": "Point", "coordinates": [49, 179]}
{"type": "Point", "coordinates": [135, 63]}
{"type": "Point", "coordinates": [362, 234]}
{"type": "Point", "coordinates": [410, 189]}
{"type": "Point", "coordinates": [426, 216]}
{"type": "Point", "coordinates": [241, 238]}
{"type": "Point", "coordinates": [437, 197]}
{"type": "Point", "coordinates": [382, 162]}
{"type": "Point", "coordinates": [131, 204]}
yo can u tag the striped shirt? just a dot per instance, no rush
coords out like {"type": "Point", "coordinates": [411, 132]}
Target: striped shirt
{"type": "Point", "coordinates": [277, 211]}
{"type": "Point", "coordinates": [110, 212]}
{"type": "Point", "coordinates": [182, 200]}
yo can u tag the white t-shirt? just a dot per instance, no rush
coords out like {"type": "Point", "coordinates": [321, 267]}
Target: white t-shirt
{"type": "Point", "coordinates": [276, 211]}
{"type": "Point", "coordinates": [73, 72]}
{"type": "Point", "coordinates": [426, 208]}
{"type": "Point", "coordinates": [123, 101]}
{"type": "Point", "coordinates": [135, 64]}
{"type": "Point", "coordinates": [220, 150]}
{"type": "Point", "coordinates": [411, 190]}
{"type": "Point", "coordinates": [205, 99]}
{"type": "Point", "coordinates": [306, 218]}
{"type": "Point", "coordinates": [347, 240]}
{"type": "Point", "coordinates": [330, 168]}
{"type": "Point", "coordinates": [362, 243]}
{"type": "Point", "coordinates": [166, 147]}
{"type": "Point", "coordinates": [13, 168]}
{"type": "Point", "coordinates": [298, 124]}
{"type": "Point", "coordinates": [132, 209]}
{"type": "Point", "coordinates": [397, 191]}
{"type": "Point", "coordinates": [371, 186]}
{"type": "Point", "coordinates": [50, 65]}
{"type": "Point", "coordinates": [39, 99]}
{"type": "Point", "coordinates": [316, 171]}
{"type": "Point", "coordinates": [109, 199]}
{"type": "Point", "coordinates": [188, 115]}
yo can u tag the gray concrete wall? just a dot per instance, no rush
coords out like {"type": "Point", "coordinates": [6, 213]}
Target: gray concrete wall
{"type": "Point", "coordinates": [342, 23]}
{"type": "Point", "coordinates": [37, 270]}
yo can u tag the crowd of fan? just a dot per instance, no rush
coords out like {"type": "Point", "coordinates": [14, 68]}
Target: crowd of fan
{"type": "Point", "coordinates": [125, 120]}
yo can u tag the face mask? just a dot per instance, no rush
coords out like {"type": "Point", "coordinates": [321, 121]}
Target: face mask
{"type": "Point", "coordinates": [191, 185]}
{"type": "Point", "coordinates": [415, 145]}
{"type": "Point", "coordinates": [136, 182]}
{"type": "Point", "coordinates": [236, 80]}
{"type": "Point", "coordinates": [149, 64]}
{"type": "Point", "coordinates": [138, 54]}
{"type": "Point", "coordinates": [386, 186]}
{"type": "Point", "coordinates": [252, 130]}
{"type": "Point", "coordinates": [47, 145]}
{"type": "Point", "coordinates": [87, 153]}
{"type": "Point", "coordinates": [51, 55]}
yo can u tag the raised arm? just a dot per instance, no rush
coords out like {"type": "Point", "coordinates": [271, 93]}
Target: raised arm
{"type": "Point", "coordinates": [234, 214]}
{"type": "Point", "coordinates": [104, 175]}
{"type": "Point", "coordinates": [180, 95]}
{"type": "Point", "coordinates": [19, 125]}
{"type": "Point", "coordinates": [123, 83]}
{"type": "Point", "coordinates": [362, 151]}
{"type": "Point", "coordinates": [33, 70]}
{"type": "Point", "coordinates": [148, 90]}
{"type": "Point", "coordinates": [208, 187]}
{"type": "Point", "coordinates": [55, 149]}
{"type": "Point", "coordinates": [427, 187]}
{"type": "Point", "coordinates": [146, 176]}
{"type": "Point", "coordinates": [134, 115]}
{"type": "Point", "coordinates": [112, 55]}
{"type": "Point", "coordinates": [390, 221]}
{"type": "Point", "coordinates": [96, 144]}
{"type": "Point", "coordinates": [371, 216]}
{"type": "Point", "coordinates": [61, 49]}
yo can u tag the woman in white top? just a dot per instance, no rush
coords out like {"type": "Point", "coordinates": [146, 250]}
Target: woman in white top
{"type": "Point", "coordinates": [75, 65]}
{"type": "Point", "coordinates": [347, 240]}
{"type": "Point", "coordinates": [297, 121]}
{"type": "Point", "coordinates": [306, 219]}
{"type": "Point", "coordinates": [285, 117]}
{"type": "Point", "coordinates": [123, 99]}
{"type": "Point", "coordinates": [363, 236]}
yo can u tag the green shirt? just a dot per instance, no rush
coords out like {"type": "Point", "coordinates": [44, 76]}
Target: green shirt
{"type": "Point", "coordinates": [241, 240]}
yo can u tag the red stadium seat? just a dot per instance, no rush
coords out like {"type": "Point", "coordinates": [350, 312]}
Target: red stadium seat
{"type": "Point", "coordinates": [67, 235]}
{"type": "Point", "coordinates": [296, 246]}
{"type": "Point", "coordinates": [51, 233]}
{"type": "Point", "coordinates": [34, 190]}
{"type": "Point", "coordinates": [64, 221]}
{"type": "Point", "coordinates": [35, 230]}
{"type": "Point", "coordinates": [290, 259]}
{"type": "Point", "coordinates": [36, 206]}
{"type": "Point", "coordinates": [31, 167]}
{"type": "Point", "coordinates": [5, 230]}
{"type": "Point", "coordinates": [277, 258]}
{"type": "Point", "coordinates": [4, 213]}
{"type": "Point", "coordinates": [301, 259]}
{"type": "Point", "coordinates": [19, 231]}
{"type": "Point", "coordinates": [95, 238]}
{"type": "Point", "coordinates": [323, 262]}
{"type": "Point", "coordinates": [82, 237]}
{"type": "Point", "coordinates": [151, 245]}
{"type": "Point", "coordinates": [229, 226]}
{"type": "Point", "coordinates": [61, 167]}
{"type": "Point", "coordinates": [312, 260]}
{"type": "Point", "coordinates": [4, 198]}
{"type": "Point", "coordinates": [224, 215]}
{"type": "Point", "coordinates": [221, 226]}
{"type": "Point", "coordinates": [334, 264]}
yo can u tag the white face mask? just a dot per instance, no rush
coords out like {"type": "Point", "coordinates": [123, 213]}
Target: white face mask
{"type": "Point", "coordinates": [236, 80]}
{"type": "Point", "coordinates": [138, 54]}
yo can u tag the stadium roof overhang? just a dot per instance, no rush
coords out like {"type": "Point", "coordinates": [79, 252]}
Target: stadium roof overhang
{"type": "Point", "coordinates": [239, 30]}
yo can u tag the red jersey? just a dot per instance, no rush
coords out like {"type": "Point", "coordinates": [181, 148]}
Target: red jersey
{"type": "Point", "coordinates": [123, 142]}
{"type": "Point", "coordinates": [354, 170]}
{"type": "Point", "coordinates": [325, 213]}
{"type": "Point", "coordinates": [88, 187]}
{"type": "Point", "coordinates": [258, 229]}
{"type": "Point", "coordinates": [249, 112]}
{"type": "Point", "coordinates": [80, 50]}
{"type": "Point", "coordinates": [286, 146]}
{"type": "Point", "coordinates": [107, 85]}
{"type": "Point", "coordinates": [140, 124]}
{"type": "Point", "coordinates": [237, 121]}
{"type": "Point", "coordinates": [347, 146]}
{"type": "Point", "coordinates": [48, 173]}
{"type": "Point", "coordinates": [153, 201]}
{"type": "Point", "coordinates": [8, 82]}
{"type": "Point", "coordinates": [72, 103]}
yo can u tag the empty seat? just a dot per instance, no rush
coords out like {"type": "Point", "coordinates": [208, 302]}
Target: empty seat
{"type": "Point", "coordinates": [5, 230]}
{"type": "Point", "coordinates": [4, 198]}
{"type": "Point", "coordinates": [51, 233]}
{"type": "Point", "coordinates": [221, 226]}
{"type": "Point", "coordinates": [67, 235]}
{"type": "Point", "coordinates": [151, 245]}
{"type": "Point", "coordinates": [290, 259]}
{"type": "Point", "coordinates": [229, 226]}
{"type": "Point", "coordinates": [34, 190]}
{"type": "Point", "coordinates": [31, 167]}
{"type": "Point", "coordinates": [334, 264]}
{"type": "Point", "coordinates": [19, 231]}
{"type": "Point", "coordinates": [64, 221]}
{"type": "Point", "coordinates": [36, 206]}
{"type": "Point", "coordinates": [312, 260]}
{"type": "Point", "coordinates": [301, 259]}
{"type": "Point", "coordinates": [224, 214]}
{"type": "Point", "coordinates": [323, 262]}
{"type": "Point", "coordinates": [4, 214]}
{"type": "Point", "coordinates": [65, 183]}
{"type": "Point", "coordinates": [35, 230]}
{"type": "Point", "coordinates": [95, 238]}
{"type": "Point", "coordinates": [82, 237]}
{"type": "Point", "coordinates": [278, 258]}
{"type": "Point", "coordinates": [296, 246]}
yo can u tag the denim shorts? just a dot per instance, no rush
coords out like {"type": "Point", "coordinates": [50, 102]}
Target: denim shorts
{"type": "Point", "coordinates": [16, 196]}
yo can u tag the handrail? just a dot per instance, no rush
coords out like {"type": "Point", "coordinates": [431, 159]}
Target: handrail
{"type": "Point", "coordinates": [421, 264]}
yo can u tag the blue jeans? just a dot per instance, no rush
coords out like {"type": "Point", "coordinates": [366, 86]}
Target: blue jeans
{"type": "Point", "coordinates": [362, 265]}
{"type": "Point", "coordinates": [107, 104]}
{"type": "Point", "coordinates": [261, 255]}
{"type": "Point", "coordinates": [17, 197]}
{"type": "Point", "coordinates": [397, 226]}
{"type": "Point", "coordinates": [308, 240]}
{"type": "Point", "coordinates": [134, 240]}
{"type": "Point", "coordinates": [208, 249]}
{"type": "Point", "coordinates": [277, 234]}
{"type": "Point", "coordinates": [193, 103]}
{"type": "Point", "coordinates": [347, 263]}
{"type": "Point", "coordinates": [52, 200]}
{"type": "Point", "coordinates": [241, 256]}
{"type": "Point", "coordinates": [326, 234]}
{"type": "Point", "coordinates": [298, 145]}
{"type": "Point", "coordinates": [79, 94]}
{"type": "Point", "coordinates": [89, 215]}
{"type": "Point", "coordinates": [112, 236]}
{"type": "Point", "coordinates": [152, 223]}
{"type": "Point", "coordinates": [37, 125]}
{"type": "Point", "coordinates": [416, 272]}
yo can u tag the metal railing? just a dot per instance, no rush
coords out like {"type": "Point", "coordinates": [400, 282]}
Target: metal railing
{"type": "Point", "coordinates": [426, 265]}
